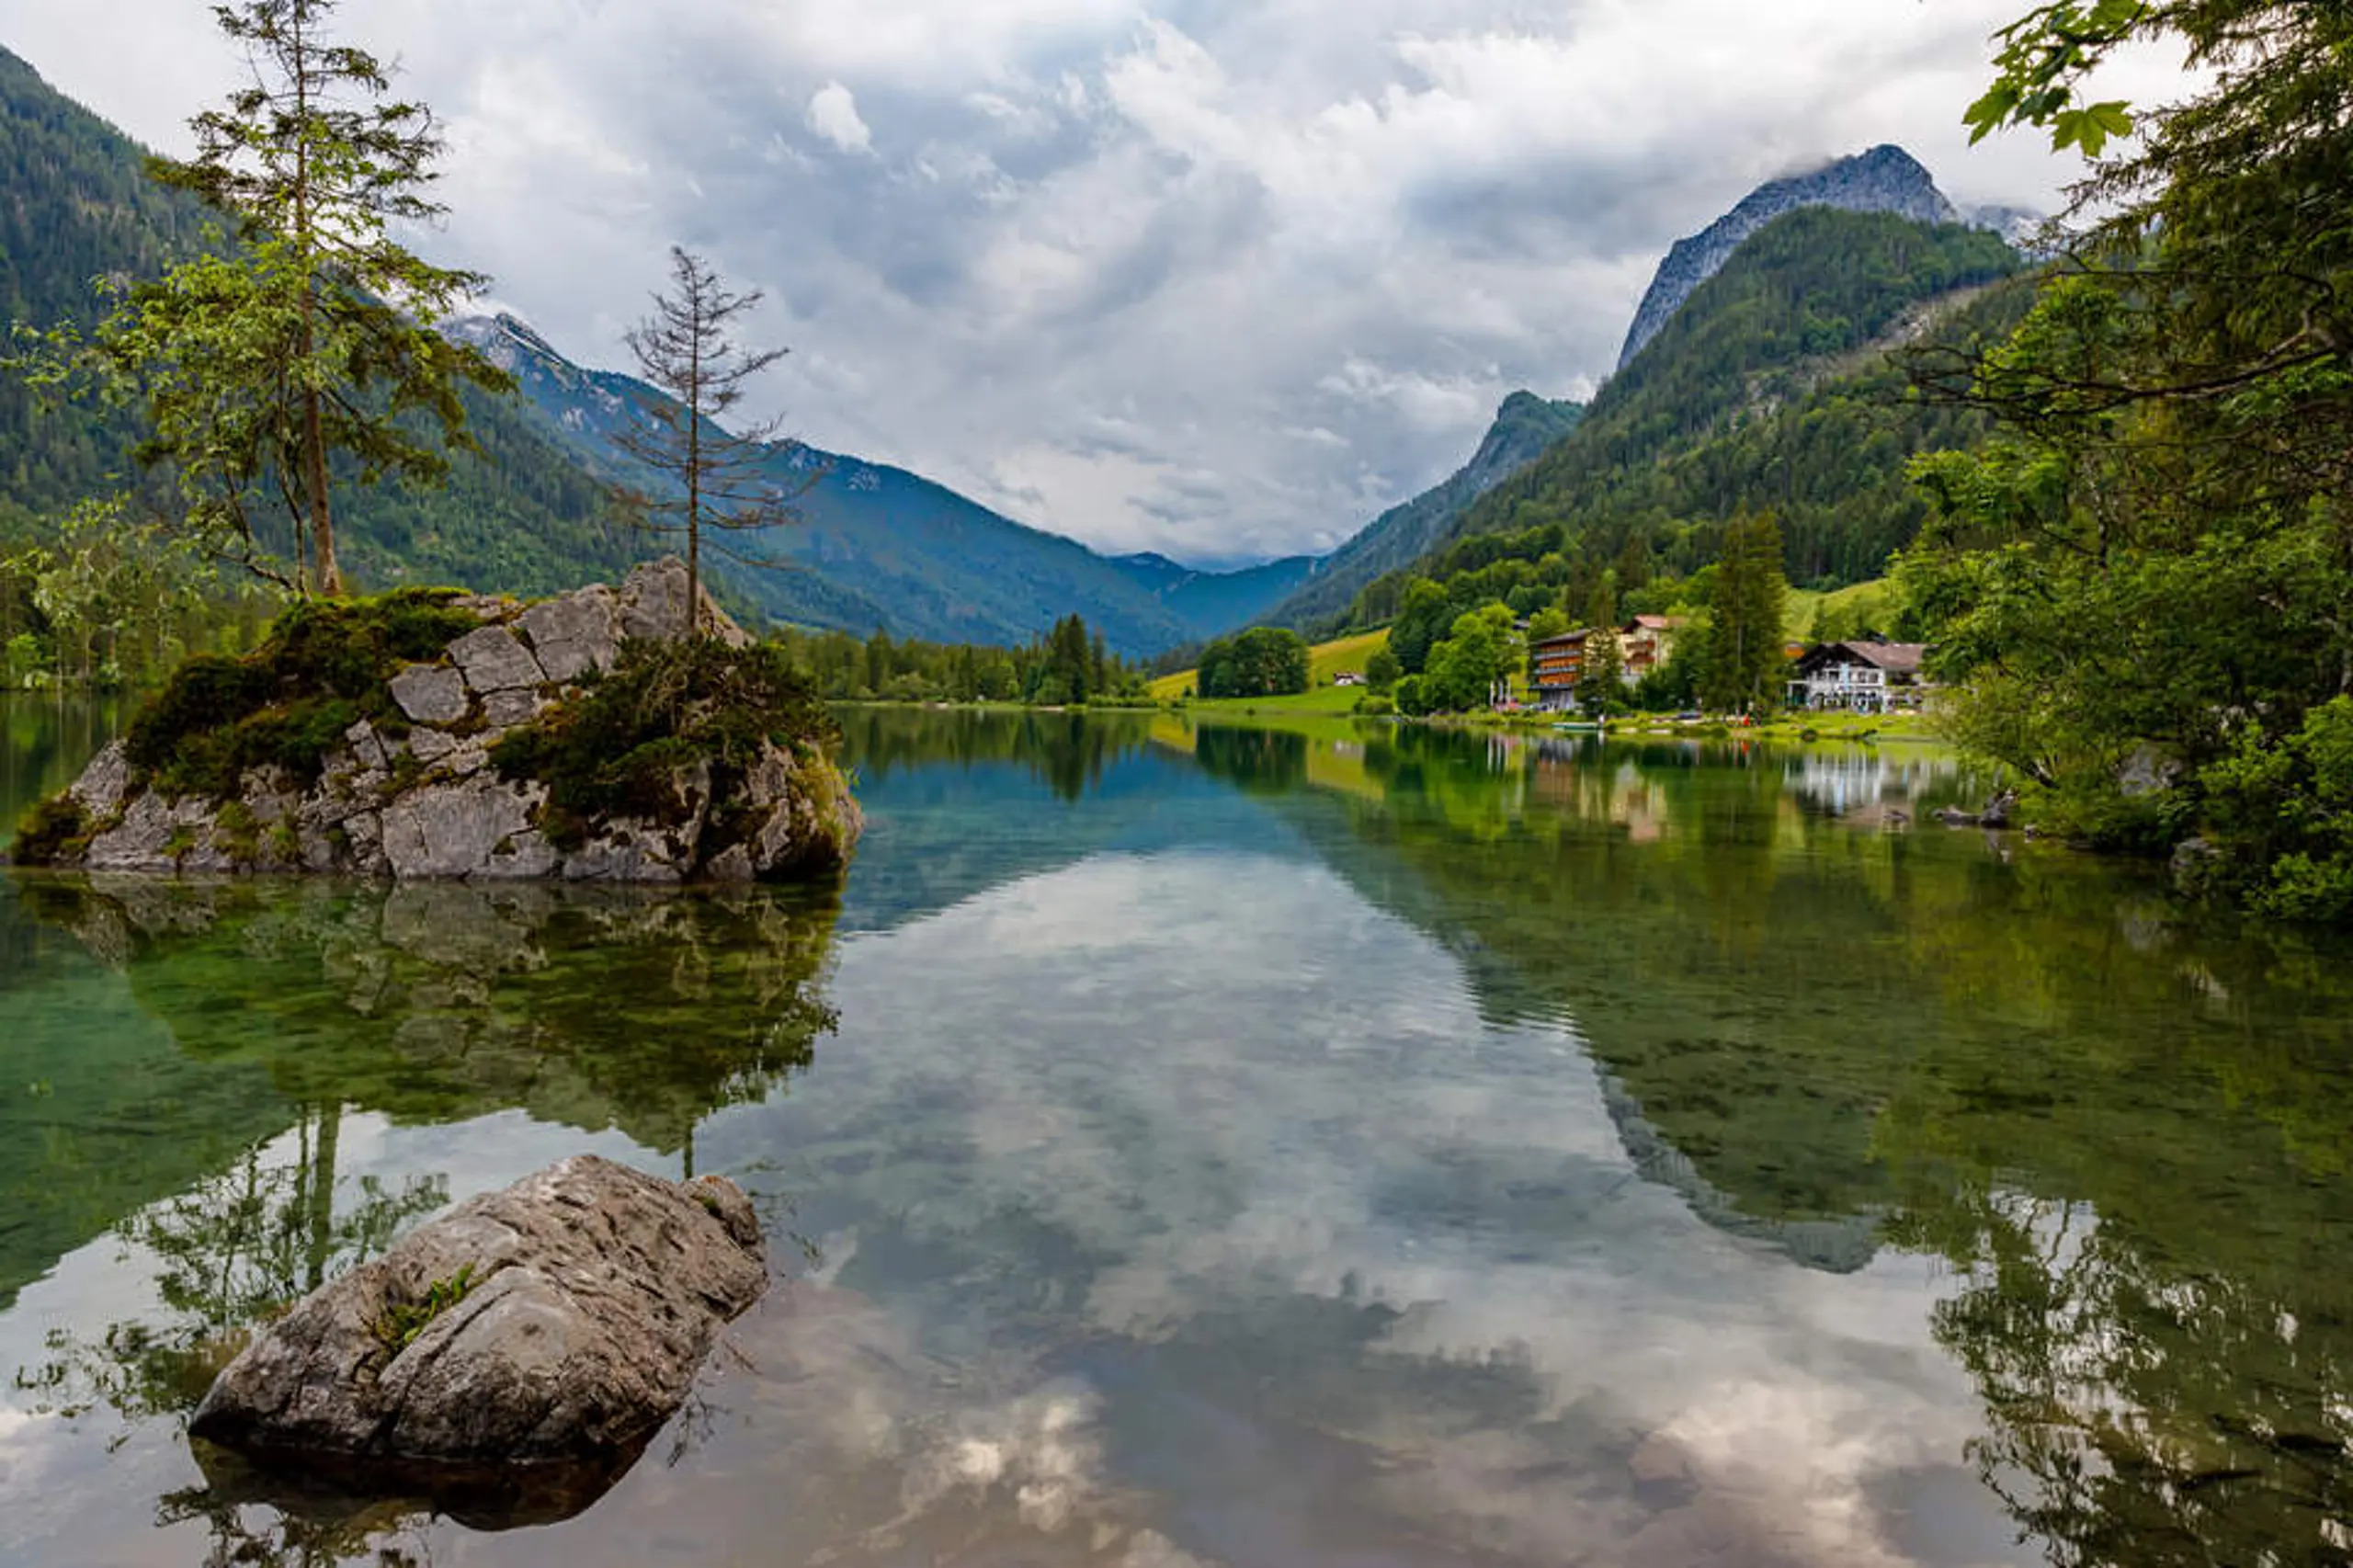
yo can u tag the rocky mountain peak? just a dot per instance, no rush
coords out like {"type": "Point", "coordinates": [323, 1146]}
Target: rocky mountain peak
{"type": "Point", "coordinates": [1884, 179]}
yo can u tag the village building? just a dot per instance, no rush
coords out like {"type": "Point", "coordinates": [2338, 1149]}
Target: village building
{"type": "Point", "coordinates": [1862, 677]}
{"type": "Point", "coordinates": [1555, 665]}
{"type": "Point", "coordinates": [1646, 643]}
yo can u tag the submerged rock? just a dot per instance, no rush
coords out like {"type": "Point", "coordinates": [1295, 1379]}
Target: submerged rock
{"type": "Point", "coordinates": [415, 779]}
{"type": "Point", "coordinates": [557, 1322]}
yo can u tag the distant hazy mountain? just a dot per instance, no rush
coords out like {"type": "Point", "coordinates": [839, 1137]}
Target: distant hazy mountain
{"type": "Point", "coordinates": [1217, 601]}
{"type": "Point", "coordinates": [1524, 425]}
{"type": "Point", "coordinates": [879, 546]}
{"type": "Point", "coordinates": [1885, 179]}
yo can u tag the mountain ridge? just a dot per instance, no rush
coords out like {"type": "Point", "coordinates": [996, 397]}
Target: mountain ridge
{"type": "Point", "coordinates": [1524, 429]}
{"type": "Point", "coordinates": [1884, 179]}
{"type": "Point", "coordinates": [530, 514]}
{"type": "Point", "coordinates": [880, 546]}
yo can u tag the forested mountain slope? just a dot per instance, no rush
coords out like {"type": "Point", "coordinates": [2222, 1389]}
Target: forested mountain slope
{"type": "Point", "coordinates": [1771, 389]}
{"type": "Point", "coordinates": [879, 546]}
{"type": "Point", "coordinates": [1524, 427]}
{"type": "Point", "coordinates": [1885, 179]}
{"type": "Point", "coordinates": [521, 516]}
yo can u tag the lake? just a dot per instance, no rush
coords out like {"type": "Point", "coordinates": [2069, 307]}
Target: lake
{"type": "Point", "coordinates": [1226, 1148]}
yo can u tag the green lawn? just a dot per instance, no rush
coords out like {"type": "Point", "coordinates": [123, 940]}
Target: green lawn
{"type": "Point", "coordinates": [1324, 660]}
{"type": "Point", "coordinates": [1875, 600]}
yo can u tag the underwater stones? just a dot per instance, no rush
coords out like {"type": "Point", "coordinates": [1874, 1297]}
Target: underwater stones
{"type": "Point", "coordinates": [492, 660]}
{"type": "Point", "coordinates": [430, 694]}
{"type": "Point", "coordinates": [560, 1321]}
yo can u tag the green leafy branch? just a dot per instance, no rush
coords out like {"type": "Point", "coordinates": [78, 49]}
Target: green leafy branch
{"type": "Point", "coordinates": [2043, 59]}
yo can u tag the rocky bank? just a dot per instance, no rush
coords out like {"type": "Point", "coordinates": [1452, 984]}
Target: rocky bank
{"type": "Point", "coordinates": [418, 784]}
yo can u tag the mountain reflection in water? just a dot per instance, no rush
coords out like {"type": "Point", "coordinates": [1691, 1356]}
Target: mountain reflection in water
{"type": "Point", "coordinates": [1243, 1147]}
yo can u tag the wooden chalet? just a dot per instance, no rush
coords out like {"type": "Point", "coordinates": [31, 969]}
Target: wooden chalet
{"type": "Point", "coordinates": [1862, 677]}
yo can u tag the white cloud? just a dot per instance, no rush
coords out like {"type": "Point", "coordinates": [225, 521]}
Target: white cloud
{"type": "Point", "coordinates": [1207, 215]}
{"type": "Point", "coordinates": [833, 114]}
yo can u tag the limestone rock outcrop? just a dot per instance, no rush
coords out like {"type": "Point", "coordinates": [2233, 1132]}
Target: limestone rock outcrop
{"type": "Point", "coordinates": [1884, 179]}
{"type": "Point", "coordinates": [412, 793]}
{"type": "Point", "coordinates": [558, 1321]}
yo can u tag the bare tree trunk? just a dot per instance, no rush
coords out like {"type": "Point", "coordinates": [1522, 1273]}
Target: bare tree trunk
{"type": "Point", "coordinates": [694, 485]}
{"type": "Point", "coordinates": [319, 1196]}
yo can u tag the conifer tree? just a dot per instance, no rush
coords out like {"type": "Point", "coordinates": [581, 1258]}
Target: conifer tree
{"type": "Point", "coordinates": [1744, 642]}
{"type": "Point", "coordinates": [307, 330]}
{"type": "Point", "coordinates": [712, 479]}
{"type": "Point", "coordinates": [1600, 681]}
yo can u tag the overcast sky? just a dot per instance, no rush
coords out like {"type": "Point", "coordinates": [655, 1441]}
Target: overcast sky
{"type": "Point", "coordinates": [1217, 277]}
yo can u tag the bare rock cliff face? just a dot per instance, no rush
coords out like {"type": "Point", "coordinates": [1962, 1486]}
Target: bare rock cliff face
{"type": "Point", "coordinates": [1885, 179]}
{"type": "Point", "coordinates": [418, 798]}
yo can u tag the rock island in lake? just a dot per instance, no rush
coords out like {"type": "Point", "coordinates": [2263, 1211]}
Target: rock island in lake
{"type": "Point", "coordinates": [430, 733]}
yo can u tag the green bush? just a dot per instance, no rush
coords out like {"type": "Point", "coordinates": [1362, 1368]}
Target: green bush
{"type": "Point", "coordinates": [52, 830]}
{"type": "Point", "coordinates": [664, 707]}
{"type": "Point", "coordinates": [321, 669]}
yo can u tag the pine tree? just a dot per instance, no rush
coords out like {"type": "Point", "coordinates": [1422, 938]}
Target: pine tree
{"type": "Point", "coordinates": [1744, 644]}
{"type": "Point", "coordinates": [307, 332]}
{"type": "Point", "coordinates": [713, 479]}
{"type": "Point", "coordinates": [1599, 683]}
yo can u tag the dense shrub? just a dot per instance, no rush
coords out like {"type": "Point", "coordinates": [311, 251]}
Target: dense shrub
{"type": "Point", "coordinates": [664, 707]}
{"type": "Point", "coordinates": [322, 668]}
{"type": "Point", "coordinates": [52, 830]}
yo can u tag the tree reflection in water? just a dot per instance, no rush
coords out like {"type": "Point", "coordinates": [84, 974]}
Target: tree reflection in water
{"type": "Point", "coordinates": [2145, 1415]}
{"type": "Point", "coordinates": [597, 1009]}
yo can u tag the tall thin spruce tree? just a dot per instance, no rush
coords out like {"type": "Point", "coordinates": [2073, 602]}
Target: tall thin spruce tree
{"type": "Point", "coordinates": [307, 329]}
{"type": "Point", "coordinates": [1750, 598]}
{"type": "Point", "coordinates": [716, 480]}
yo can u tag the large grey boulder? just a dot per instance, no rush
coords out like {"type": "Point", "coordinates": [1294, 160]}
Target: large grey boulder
{"type": "Point", "coordinates": [492, 660]}
{"type": "Point", "coordinates": [652, 604]}
{"type": "Point", "coordinates": [593, 1293]}
{"type": "Point", "coordinates": [430, 694]}
{"type": "Point", "coordinates": [574, 633]}
{"type": "Point", "coordinates": [478, 825]}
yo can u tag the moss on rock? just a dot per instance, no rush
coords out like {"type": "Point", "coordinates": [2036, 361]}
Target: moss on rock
{"type": "Point", "coordinates": [52, 830]}
{"type": "Point", "coordinates": [666, 710]}
{"type": "Point", "coordinates": [288, 703]}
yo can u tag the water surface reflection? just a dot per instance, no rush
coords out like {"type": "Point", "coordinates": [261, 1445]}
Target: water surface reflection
{"type": "Point", "coordinates": [1241, 1147]}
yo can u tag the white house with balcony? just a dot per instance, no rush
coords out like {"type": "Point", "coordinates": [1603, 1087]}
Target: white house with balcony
{"type": "Point", "coordinates": [1862, 677]}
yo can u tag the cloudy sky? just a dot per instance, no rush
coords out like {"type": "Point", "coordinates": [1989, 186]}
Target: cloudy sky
{"type": "Point", "coordinates": [1218, 277]}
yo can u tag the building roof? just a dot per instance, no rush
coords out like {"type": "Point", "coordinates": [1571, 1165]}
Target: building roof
{"type": "Point", "coordinates": [1657, 624]}
{"type": "Point", "coordinates": [1896, 658]}
{"type": "Point", "coordinates": [1562, 640]}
